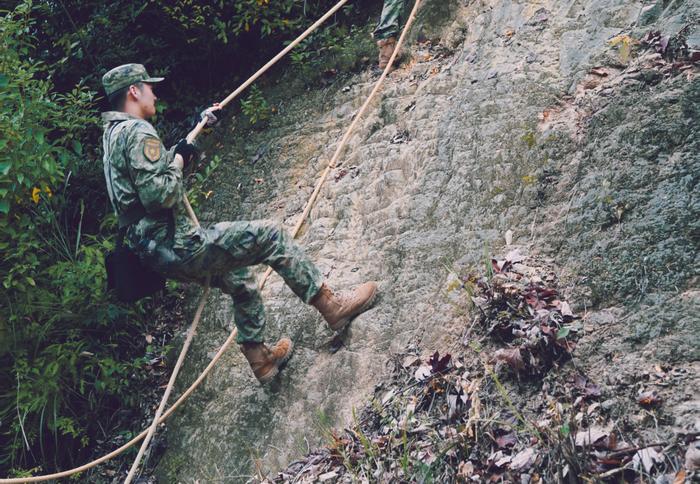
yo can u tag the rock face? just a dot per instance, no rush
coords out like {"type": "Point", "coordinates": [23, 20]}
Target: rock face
{"type": "Point", "coordinates": [517, 116]}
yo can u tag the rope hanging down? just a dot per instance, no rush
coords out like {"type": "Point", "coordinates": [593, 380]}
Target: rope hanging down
{"type": "Point", "coordinates": [353, 125]}
{"type": "Point", "coordinates": [158, 419]}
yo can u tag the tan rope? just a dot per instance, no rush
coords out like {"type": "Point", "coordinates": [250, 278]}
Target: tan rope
{"type": "Point", "coordinates": [353, 125]}
{"type": "Point", "coordinates": [140, 436]}
{"type": "Point", "coordinates": [158, 419]}
{"type": "Point", "coordinates": [171, 384]}
{"type": "Point", "coordinates": [198, 129]}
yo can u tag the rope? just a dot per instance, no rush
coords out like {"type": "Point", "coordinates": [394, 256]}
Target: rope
{"type": "Point", "coordinates": [198, 129]}
{"type": "Point", "coordinates": [344, 141]}
{"type": "Point", "coordinates": [158, 418]}
{"type": "Point", "coordinates": [171, 383]}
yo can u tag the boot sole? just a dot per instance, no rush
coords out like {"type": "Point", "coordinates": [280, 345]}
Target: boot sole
{"type": "Point", "coordinates": [270, 375]}
{"type": "Point", "coordinates": [340, 325]}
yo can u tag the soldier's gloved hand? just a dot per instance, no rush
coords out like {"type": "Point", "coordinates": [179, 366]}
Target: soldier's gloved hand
{"type": "Point", "coordinates": [209, 115]}
{"type": "Point", "coordinates": [189, 152]}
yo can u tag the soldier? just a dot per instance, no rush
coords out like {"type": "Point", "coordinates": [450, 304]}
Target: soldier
{"type": "Point", "coordinates": [388, 28]}
{"type": "Point", "coordinates": [144, 182]}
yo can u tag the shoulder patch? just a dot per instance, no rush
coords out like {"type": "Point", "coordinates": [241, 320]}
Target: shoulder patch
{"type": "Point", "coordinates": [151, 148]}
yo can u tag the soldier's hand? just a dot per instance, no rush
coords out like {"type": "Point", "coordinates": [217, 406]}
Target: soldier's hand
{"type": "Point", "coordinates": [188, 151]}
{"type": "Point", "coordinates": [209, 115]}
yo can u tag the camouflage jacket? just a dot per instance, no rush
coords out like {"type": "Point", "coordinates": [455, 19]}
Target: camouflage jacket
{"type": "Point", "coordinates": [140, 171]}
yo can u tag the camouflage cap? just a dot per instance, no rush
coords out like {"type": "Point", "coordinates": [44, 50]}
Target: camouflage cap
{"type": "Point", "coordinates": [126, 75]}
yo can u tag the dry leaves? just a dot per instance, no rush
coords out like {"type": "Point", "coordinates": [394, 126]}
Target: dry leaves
{"type": "Point", "coordinates": [649, 399]}
{"type": "Point", "coordinates": [524, 310]}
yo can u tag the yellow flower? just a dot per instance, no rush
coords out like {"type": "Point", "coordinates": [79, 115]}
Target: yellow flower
{"type": "Point", "coordinates": [48, 191]}
{"type": "Point", "coordinates": [35, 194]}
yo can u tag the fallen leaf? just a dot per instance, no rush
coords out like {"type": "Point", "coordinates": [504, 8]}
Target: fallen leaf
{"type": "Point", "coordinates": [692, 456]}
{"type": "Point", "coordinates": [327, 476]}
{"type": "Point", "coordinates": [509, 237]}
{"type": "Point", "coordinates": [438, 364]}
{"type": "Point", "coordinates": [499, 459]}
{"type": "Point", "coordinates": [586, 388]}
{"type": "Point", "coordinates": [524, 459]}
{"type": "Point", "coordinates": [451, 406]}
{"type": "Point", "coordinates": [511, 357]}
{"type": "Point", "coordinates": [647, 458]}
{"type": "Point", "coordinates": [410, 360]}
{"type": "Point", "coordinates": [465, 469]}
{"type": "Point", "coordinates": [514, 257]}
{"type": "Point", "coordinates": [592, 390]}
{"type": "Point", "coordinates": [506, 440]}
{"type": "Point", "coordinates": [566, 309]}
{"type": "Point", "coordinates": [649, 398]}
{"type": "Point", "coordinates": [388, 396]}
{"type": "Point", "coordinates": [680, 477]}
{"type": "Point", "coordinates": [590, 436]}
{"type": "Point", "coordinates": [423, 372]}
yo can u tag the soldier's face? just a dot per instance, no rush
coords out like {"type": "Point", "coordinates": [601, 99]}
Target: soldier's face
{"type": "Point", "coordinates": [147, 100]}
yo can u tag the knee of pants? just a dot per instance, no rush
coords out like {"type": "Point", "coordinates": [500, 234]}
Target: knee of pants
{"type": "Point", "coordinates": [271, 236]}
{"type": "Point", "coordinates": [248, 241]}
{"type": "Point", "coordinates": [240, 284]}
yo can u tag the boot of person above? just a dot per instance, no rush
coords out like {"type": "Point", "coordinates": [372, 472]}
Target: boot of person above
{"type": "Point", "coordinates": [339, 309]}
{"type": "Point", "coordinates": [266, 362]}
{"type": "Point", "coordinates": [386, 48]}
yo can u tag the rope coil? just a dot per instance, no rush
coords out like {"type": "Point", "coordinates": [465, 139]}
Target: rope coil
{"type": "Point", "coordinates": [162, 414]}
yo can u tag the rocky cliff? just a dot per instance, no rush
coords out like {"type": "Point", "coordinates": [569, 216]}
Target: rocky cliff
{"type": "Point", "coordinates": [572, 126]}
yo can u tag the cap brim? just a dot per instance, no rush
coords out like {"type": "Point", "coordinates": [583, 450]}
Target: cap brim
{"type": "Point", "coordinates": [153, 79]}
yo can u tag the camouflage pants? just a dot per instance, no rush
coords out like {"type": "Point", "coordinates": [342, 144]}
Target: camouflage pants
{"type": "Point", "coordinates": [227, 249]}
{"type": "Point", "coordinates": [390, 21]}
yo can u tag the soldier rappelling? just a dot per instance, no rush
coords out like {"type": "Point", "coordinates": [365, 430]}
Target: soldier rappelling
{"type": "Point", "coordinates": [144, 181]}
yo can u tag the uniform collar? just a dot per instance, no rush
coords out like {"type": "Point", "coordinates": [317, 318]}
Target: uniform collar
{"type": "Point", "coordinates": [112, 116]}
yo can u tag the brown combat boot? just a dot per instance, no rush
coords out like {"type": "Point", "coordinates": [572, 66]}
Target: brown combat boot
{"type": "Point", "coordinates": [265, 362]}
{"type": "Point", "coordinates": [339, 309]}
{"type": "Point", "coordinates": [386, 48]}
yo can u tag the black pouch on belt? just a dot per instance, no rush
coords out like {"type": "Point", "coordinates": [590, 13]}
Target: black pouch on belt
{"type": "Point", "coordinates": [130, 279]}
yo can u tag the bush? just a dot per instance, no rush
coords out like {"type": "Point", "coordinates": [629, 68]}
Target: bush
{"type": "Point", "coordinates": [62, 352]}
{"type": "Point", "coordinates": [255, 106]}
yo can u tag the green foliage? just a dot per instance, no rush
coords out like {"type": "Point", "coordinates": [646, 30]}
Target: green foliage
{"type": "Point", "coordinates": [255, 106]}
{"type": "Point", "coordinates": [197, 191]}
{"type": "Point", "coordinates": [336, 48]}
{"type": "Point", "coordinates": [60, 358]}
{"type": "Point", "coordinates": [226, 20]}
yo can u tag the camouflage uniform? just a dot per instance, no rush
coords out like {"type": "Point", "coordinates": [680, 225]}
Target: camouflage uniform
{"type": "Point", "coordinates": [142, 178]}
{"type": "Point", "coordinates": [390, 20]}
